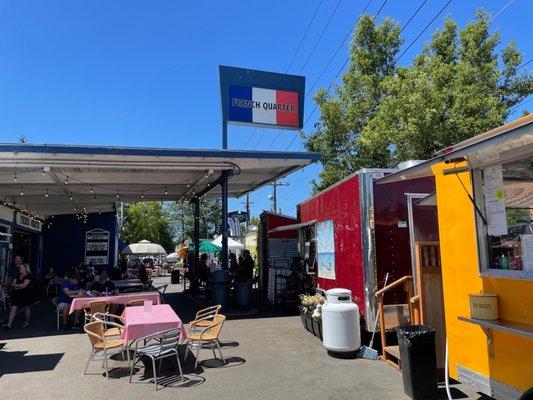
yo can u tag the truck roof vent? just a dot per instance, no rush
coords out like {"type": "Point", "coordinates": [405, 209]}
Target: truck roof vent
{"type": "Point", "coordinates": [409, 164]}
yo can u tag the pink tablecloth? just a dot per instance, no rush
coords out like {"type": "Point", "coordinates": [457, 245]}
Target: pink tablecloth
{"type": "Point", "coordinates": [139, 323]}
{"type": "Point", "coordinates": [79, 303]}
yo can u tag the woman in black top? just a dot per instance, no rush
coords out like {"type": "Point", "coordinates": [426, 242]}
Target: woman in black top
{"type": "Point", "coordinates": [21, 296]}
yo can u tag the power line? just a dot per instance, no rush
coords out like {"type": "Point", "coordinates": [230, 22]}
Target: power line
{"type": "Point", "coordinates": [320, 37]}
{"type": "Point", "coordinates": [329, 62]}
{"type": "Point", "coordinates": [292, 60]}
{"type": "Point", "coordinates": [423, 30]}
{"type": "Point", "coordinates": [305, 34]}
{"type": "Point", "coordinates": [348, 58]}
{"type": "Point", "coordinates": [502, 10]}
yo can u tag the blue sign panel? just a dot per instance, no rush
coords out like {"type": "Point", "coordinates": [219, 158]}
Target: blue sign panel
{"type": "Point", "coordinates": [260, 98]}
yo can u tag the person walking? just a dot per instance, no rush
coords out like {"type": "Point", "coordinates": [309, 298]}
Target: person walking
{"type": "Point", "coordinates": [22, 295]}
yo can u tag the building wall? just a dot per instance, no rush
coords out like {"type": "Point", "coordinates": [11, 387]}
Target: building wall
{"type": "Point", "coordinates": [64, 241]}
{"type": "Point", "coordinates": [512, 363]}
{"type": "Point", "coordinates": [340, 203]}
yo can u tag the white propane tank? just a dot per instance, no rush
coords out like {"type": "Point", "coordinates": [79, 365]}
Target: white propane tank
{"type": "Point", "coordinates": [340, 322]}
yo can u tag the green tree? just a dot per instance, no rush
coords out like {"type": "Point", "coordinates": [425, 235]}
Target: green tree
{"type": "Point", "coordinates": [147, 221]}
{"type": "Point", "coordinates": [458, 87]}
{"type": "Point", "coordinates": [345, 114]}
{"type": "Point", "coordinates": [181, 216]}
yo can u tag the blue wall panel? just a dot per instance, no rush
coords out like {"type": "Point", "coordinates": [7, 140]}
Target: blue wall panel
{"type": "Point", "coordinates": [64, 241]}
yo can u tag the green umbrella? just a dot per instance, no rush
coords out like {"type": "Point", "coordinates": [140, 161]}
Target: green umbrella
{"type": "Point", "coordinates": [208, 247]}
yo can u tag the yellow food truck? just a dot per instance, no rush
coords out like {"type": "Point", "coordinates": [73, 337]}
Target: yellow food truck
{"type": "Point", "coordinates": [484, 199]}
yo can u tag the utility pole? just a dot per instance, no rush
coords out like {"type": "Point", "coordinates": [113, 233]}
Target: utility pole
{"type": "Point", "coordinates": [274, 195]}
{"type": "Point", "coordinates": [247, 204]}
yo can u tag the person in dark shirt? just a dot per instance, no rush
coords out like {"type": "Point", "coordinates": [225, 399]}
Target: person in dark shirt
{"type": "Point", "coordinates": [246, 267]}
{"type": "Point", "coordinates": [69, 288]}
{"type": "Point", "coordinates": [22, 295]}
{"type": "Point", "coordinates": [103, 285]}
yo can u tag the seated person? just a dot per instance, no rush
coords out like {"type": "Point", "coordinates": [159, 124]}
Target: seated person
{"type": "Point", "coordinates": [70, 288]}
{"type": "Point", "coordinates": [143, 274]}
{"type": "Point", "coordinates": [103, 285]}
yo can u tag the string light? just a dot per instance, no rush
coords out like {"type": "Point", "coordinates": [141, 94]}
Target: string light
{"type": "Point", "coordinates": [21, 191]}
{"type": "Point", "coordinates": [46, 194]}
{"type": "Point", "coordinates": [66, 180]}
{"type": "Point", "coordinates": [166, 191]}
{"type": "Point", "coordinates": [188, 184]}
{"type": "Point", "coordinates": [142, 194]}
{"type": "Point", "coordinates": [92, 189]}
{"type": "Point", "coordinates": [15, 177]}
{"type": "Point", "coordinates": [71, 198]}
{"type": "Point", "coordinates": [118, 196]}
{"type": "Point", "coordinates": [44, 171]}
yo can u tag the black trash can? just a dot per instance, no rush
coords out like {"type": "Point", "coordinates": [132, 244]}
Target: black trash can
{"type": "Point", "coordinates": [175, 276]}
{"type": "Point", "coordinates": [418, 361]}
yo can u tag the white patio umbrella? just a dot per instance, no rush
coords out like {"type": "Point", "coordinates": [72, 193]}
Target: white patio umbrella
{"type": "Point", "coordinates": [172, 257]}
{"type": "Point", "coordinates": [143, 247]}
{"type": "Point", "coordinates": [232, 244]}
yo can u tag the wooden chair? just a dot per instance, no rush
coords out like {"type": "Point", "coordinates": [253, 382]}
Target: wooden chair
{"type": "Point", "coordinates": [113, 330]}
{"type": "Point", "coordinates": [206, 338]}
{"type": "Point", "coordinates": [136, 303]}
{"type": "Point", "coordinates": [101, 345]}
{"type": "Point", "coordinates": [205, 317]}
{"type": "Point", "coordinates": [97, 306]}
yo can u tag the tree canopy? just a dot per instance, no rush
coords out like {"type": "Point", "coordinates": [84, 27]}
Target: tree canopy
{"type": "Point", "coordinates": [382, 113]}
{"type": "Point", "coordinates": [147, 221]}
{"type": "Point", "coordinates": [182, 219]}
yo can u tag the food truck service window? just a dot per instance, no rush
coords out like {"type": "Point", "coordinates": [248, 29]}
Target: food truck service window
{"type": "Point", "coordinates": [504, 197]}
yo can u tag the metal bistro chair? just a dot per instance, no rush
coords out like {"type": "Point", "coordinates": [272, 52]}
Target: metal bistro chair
{"type": "Point", "coordinates": [161, 289]}
{"type": "Point", "coordinates": [97, 306]}
{"type": "Point", "coordinates": [4, 298]}
{"type": "Point", "coordinates": [166, 347]}
{"type": "Point", "coordinates": [101, 345]}
{"type": "Point", "coordinates": [58, 312]}
{"type": "Point", "coordinates": [207, 338]}
{"type": "Point", "coordinates": [205, 317]}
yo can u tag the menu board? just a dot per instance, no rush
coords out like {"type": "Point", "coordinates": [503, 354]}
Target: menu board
{"type": "Point", "coordinates": [495, 201]}
{"type": "Point", "coordinates": [97, 247]}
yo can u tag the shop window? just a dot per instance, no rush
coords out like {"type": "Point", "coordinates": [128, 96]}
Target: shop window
{"type": "Point", "coordinates": [5, 231]}
{"type": "Point", "coordinates": [504, 199]}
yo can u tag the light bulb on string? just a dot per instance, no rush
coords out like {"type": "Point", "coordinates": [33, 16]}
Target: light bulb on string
{"type": "Point", "coordinates": [46, 194]}
{"type": "Point", "coordinates": [15, 178]}
{"type": "Point", "coordinates": [66, 180]}
{"type": "Point", "coordinates": [92, 189]}
{"type": "Point", "coordinates": [166, 191]}
{"type": "Point", "coordinates": [71, 198]}
{"type": "Point", "coordinates": [21, 191]}
{"type": "Point", "coordinates": [44, 172]}
{"type": "Point", "coordinates": [142, 194]}
{"type": "Point", "coordinates": [188, 184]}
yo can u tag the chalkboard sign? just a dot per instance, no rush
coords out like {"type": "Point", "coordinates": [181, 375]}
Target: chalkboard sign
{"type": "Point", "coordinates": [97, 247]}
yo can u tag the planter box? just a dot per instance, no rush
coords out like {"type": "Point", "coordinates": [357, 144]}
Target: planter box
{"type": "Point", "coordinates": [317, 328]}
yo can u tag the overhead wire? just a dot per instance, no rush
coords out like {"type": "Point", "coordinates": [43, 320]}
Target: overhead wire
{"type": "Point", "coordinates": [293, 57]}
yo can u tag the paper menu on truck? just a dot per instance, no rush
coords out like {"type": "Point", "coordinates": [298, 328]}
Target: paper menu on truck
{"type": "Point", "coordinates": [495, 201]}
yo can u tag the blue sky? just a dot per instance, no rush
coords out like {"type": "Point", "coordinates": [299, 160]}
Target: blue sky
{"type": "Point", "coordinates": [145, 73]}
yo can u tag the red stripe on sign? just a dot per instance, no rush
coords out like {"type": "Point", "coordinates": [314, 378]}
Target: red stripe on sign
{"type": "Point", "coordinates": [287, 112]}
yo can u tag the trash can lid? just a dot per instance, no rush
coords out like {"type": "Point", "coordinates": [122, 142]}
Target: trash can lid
{"type": "Point", "coordinates": [339, 295]}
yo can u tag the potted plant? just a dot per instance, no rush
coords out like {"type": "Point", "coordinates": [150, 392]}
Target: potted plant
{"type": "Point", "coordinates": [316, 319]}
{"type": "Point", "coordinates": [312, 305]}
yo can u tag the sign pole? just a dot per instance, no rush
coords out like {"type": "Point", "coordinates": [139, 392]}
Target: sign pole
{"type": "Point", "coordinates": [224, 135]}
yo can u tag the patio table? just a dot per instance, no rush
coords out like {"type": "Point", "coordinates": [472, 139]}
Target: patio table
{"type": "Point", "coordinates": [123, 284]}
{"type": "Point", "coordinates": [79, 303]}
{"type": "Point", "coordinates": [138, 323]}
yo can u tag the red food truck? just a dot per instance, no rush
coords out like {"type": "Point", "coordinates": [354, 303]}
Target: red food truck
{"type": "Point", "coordinates": [354, 232]}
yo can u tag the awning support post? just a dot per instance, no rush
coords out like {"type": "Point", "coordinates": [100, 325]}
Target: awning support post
{"type": "Point", "coordinates": [196, 202]}
{"type": "Point", "coordinates": [224, 220]}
